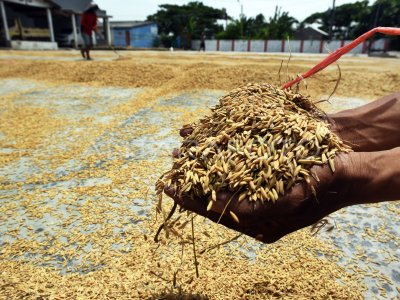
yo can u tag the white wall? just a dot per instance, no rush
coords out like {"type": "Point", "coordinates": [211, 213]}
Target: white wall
{"type": "Point", "coordinates": [211, 45]}
{"type": "Point", "coordinates": [196, 45]}
{"type": "Point", "coordinates": [274, 46]}
{"type": "Point", "coordinates": [378, 44]}
{"type": "Point", "coordinates": [309, 46]}
{"type": "Point", "coordinates": [32, 45]}
{"type": "Point", "coordinates": [241, 45]}
{"type": "Point", "coordinates": [225, 45]}
{"type": "Point", "coordinates": [332, 46]}
{"type": "Point", "coordinates": [257, 46]}
{"type": "Point", "coordinates": [292, 46]}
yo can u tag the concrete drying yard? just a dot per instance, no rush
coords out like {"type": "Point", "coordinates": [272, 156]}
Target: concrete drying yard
{"type": "Point", "coordinates": [82, 144]}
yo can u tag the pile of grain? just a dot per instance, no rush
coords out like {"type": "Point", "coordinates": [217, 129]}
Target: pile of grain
{"type": "Point", "coordinates": [176, 72]}
{"type": "Point", "coordinates": [258, 142]}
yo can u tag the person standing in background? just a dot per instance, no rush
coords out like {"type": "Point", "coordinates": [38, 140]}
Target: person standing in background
{"type": "Point", "coordinates": [88, 25]}
{"type": "Point", "coordinates": [203, 42]}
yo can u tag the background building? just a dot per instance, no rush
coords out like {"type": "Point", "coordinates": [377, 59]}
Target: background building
{"type": "Point", "coordinates": [134, 34]}
{"type": "Point", "coordinates": [45, 24]}
{"type": "Point", "coordinates": [310, 33]}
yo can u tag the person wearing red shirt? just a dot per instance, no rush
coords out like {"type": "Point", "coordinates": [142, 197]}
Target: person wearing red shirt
{"type": "Point", "coordinates": [88, 25]}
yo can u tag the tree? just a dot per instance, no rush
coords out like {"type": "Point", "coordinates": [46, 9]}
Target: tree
{"type": "Point", "coordinates": [233, 31]}
{"type": "Point", "coordinates": [188, 21]}
{"type": "Point", "coordinates": [386, 13]}
{"type": "Point", "coordinates": [281, 25]}
{"type": "Point", "coordinates": [354, 19]}
{"type": "Point", "coordinates": [347, 18]}
{"type": "Point", "coordinates": [256, 27]}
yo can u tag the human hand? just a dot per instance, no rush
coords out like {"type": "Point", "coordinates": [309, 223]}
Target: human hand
{"type": "Point", "coordinates": [371, 127]}
{"type": "Point", "coordinates": [301, 206]}
{"type": "Point", "coordinates": [360, 177]}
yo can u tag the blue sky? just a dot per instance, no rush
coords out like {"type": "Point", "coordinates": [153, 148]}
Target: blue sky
{"type": "Point", "coordinates": [139, 10]}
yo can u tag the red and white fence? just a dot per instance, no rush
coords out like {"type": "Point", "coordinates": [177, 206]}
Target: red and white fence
{"type": "Point", "coordinates": [294, 46]}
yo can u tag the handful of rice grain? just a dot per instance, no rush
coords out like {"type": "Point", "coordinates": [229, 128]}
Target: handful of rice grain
{"type": "Point", "coordinates": [258, 142]}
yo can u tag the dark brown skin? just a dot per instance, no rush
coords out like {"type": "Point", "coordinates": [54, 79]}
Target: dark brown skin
{"type": "Point", "coordinates": [372, 127]}
{"type": "Point", "coordinates": [369, 174]}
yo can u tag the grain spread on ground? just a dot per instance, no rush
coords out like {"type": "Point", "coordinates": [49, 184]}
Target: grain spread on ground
{"type": "Point", "coordinates": [76, 189]}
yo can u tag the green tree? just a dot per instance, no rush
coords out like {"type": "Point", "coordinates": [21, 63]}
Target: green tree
{"type": "Point", "coordinates": [281, 25]}
{"type": "Point", "coordinates": [353, 19]}
{"type": "Point", "coordinates": [232, 31]}
{"type": "Point", "coordinates": [386, 13]}
{"type": "Point", "coordinates": [347, 19]}
{"type": "Point", "coordinates": [188, 21]}
{"type": "Point", "coordinates": [255, 27]}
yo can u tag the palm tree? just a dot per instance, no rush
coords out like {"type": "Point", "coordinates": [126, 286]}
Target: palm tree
{"type": "Point", "coordinates": [281, 25]}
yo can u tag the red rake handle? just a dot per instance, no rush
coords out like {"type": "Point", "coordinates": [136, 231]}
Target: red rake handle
{"type": "Point", "coordinates": [334, 56]}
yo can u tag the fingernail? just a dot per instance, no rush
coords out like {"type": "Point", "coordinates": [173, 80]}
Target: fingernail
{"type": "Point", "coordinates": [175, 153]}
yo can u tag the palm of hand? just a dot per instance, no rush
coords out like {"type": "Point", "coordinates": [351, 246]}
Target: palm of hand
{"type": "Point", "coordinates": [301, 206]}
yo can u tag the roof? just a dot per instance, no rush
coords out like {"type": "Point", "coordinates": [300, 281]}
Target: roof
{"type": "Point", "coordinates": [34, 3]}
{"type": "Point", "coordinates": [315, 27]}
{"type": "Point", "coordinates": [72, 5]}
{"type": "Point", "coordinates": [130, 24]}
{"type": "Point", "coordinates": [77, 6]}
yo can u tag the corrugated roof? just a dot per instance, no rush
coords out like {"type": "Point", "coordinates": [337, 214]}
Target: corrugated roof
{"type": "Point", "coordinates": [315, 27]}
{"type": "Point", "coordinates": [73, 5]}
{"type": "Point", "coordinates": [77, 6]}
{"type": "Point", "coordinates": [129, 24]}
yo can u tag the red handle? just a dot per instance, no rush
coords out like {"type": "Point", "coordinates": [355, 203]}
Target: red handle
{"type": "Point", "coordinates": [334, 56]}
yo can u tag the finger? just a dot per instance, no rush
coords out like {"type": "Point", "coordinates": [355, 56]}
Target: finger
{"type": "Point", "coordinates": [175, 153]}
{"type": "Point", "coordinates": [248, 225]}
{"type": "Point", "coordinates": [224, 200]}
{"type": "Point", "coordinates": [268, 239]}
{"type": "Point", "coordinates": [170, 191]}
{"type": "Point", "coordinates": [185, 131]}
{"type": "Point", "coordinates": [245, 208]}
{"type": "Point", "coordinates": [269, 231]}
{"type": "Point", "coordinates": [245, 213]}
{"type": "Point", "coordinates": [199, 206]}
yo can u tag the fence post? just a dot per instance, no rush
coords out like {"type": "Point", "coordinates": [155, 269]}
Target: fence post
{"type": "Point", "coordinates": [301, 46]}
{"type": "Point", "coordinates": [364, 47]}
{"type": "Point", "coordinates": [217, 45]}
{"type": "Point", "coordinates": [249, 45]}
{"type": "Point", "coordinates": [50, 22]}
{"type": "Point", "coordinates": [265, 45]}
{"type": "Point", "coordinates": [74, 30]}
{"type": "Point", "coordinates": [283, 46]}
{"type": "Point", "coordinates": [233, 45]}
{"type": "Point", "coordinates": [321, 46]}
{"type": "Point", "coordinates": [386, 47]}
{"type": "Point", "coordinates": [5, 24]}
